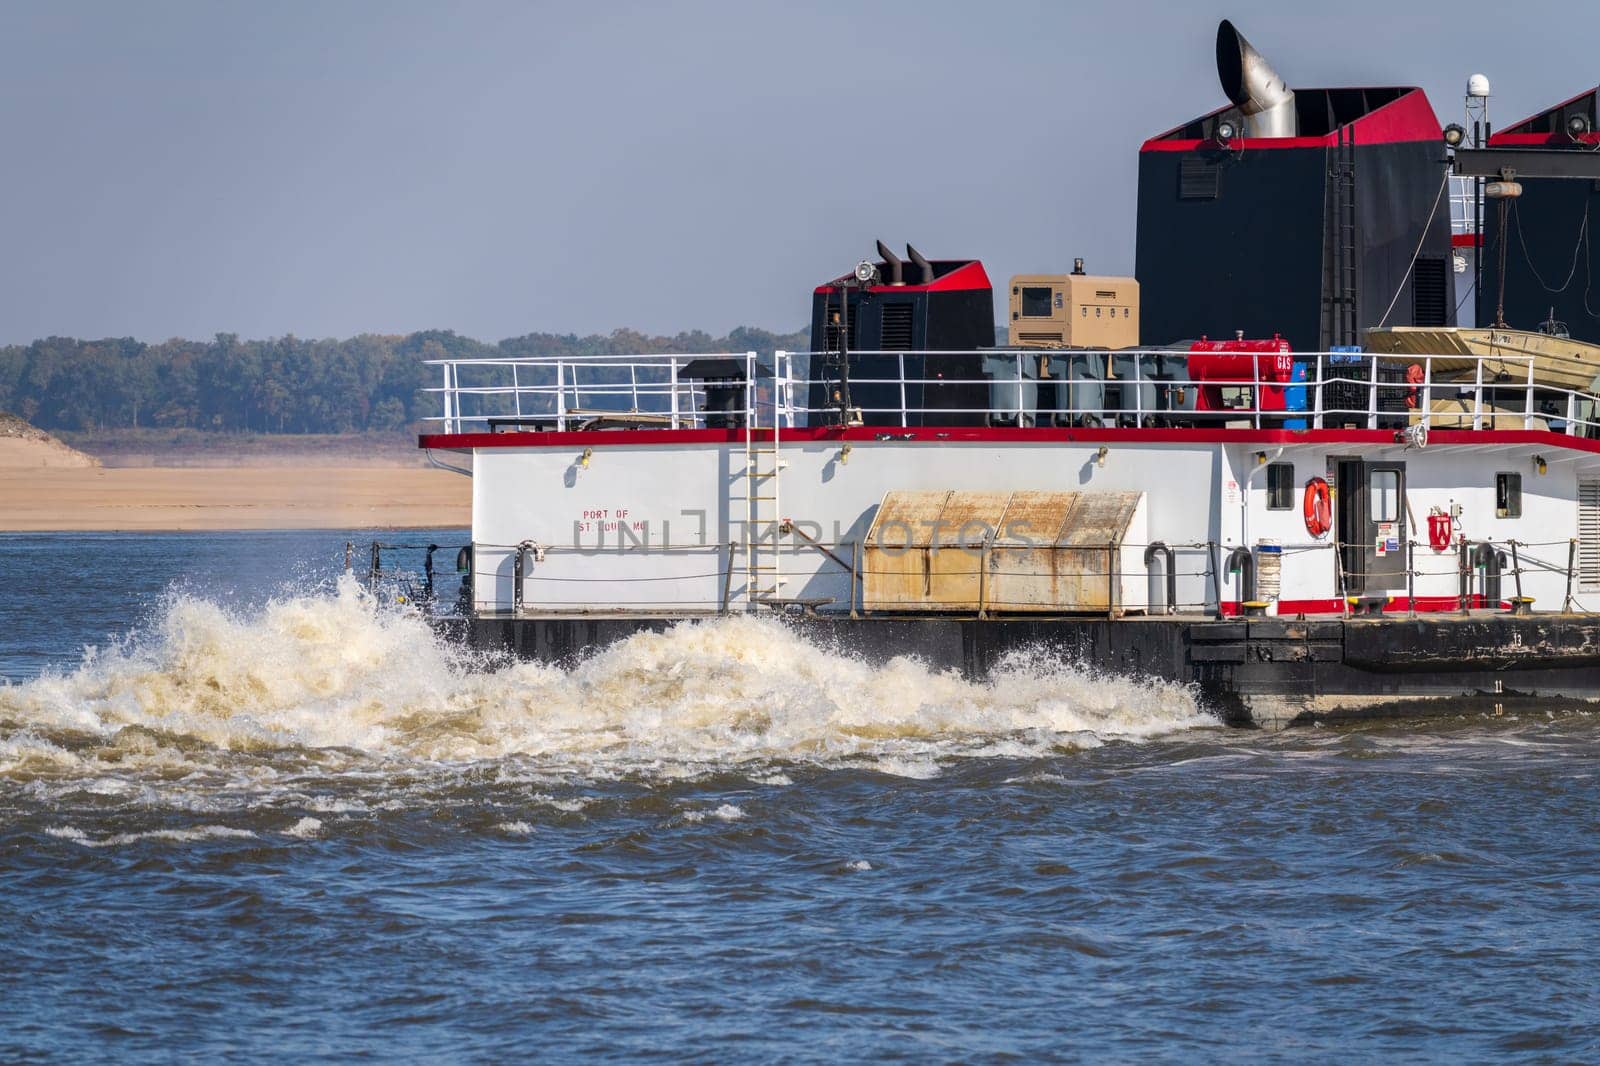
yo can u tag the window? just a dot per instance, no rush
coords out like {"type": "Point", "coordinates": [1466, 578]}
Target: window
{"type": "Point", "coordinates": [1383, 496]}
{"type": "Point", "coordinates": [1036, 301]}
{"type": "Point", "coordinates": [1508, 495]}
{"type": "Point", "coordinates": [1280, 486]}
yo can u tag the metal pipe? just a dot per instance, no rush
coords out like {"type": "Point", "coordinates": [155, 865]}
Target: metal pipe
{"type": "Point", "coordinates": [1159, 547]}
{"type": "Point", "coordinates": [1244, 563]}
{"type": "Point", "coordinates": [895, 272]}
{"type": "Point", "coordinates": [518, 567]}
{"type": "Point", "coordinates": [1484, 555]}
{"type": "Point", "coordinates": [924, 268]}
{"type": "Point", "coordinates": [1253, 86]}
{"type": "Point", "coordinates": [1516, 570]}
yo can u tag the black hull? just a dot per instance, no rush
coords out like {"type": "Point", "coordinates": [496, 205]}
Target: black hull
{"type": "Point", "coordinates": [1265, 672]}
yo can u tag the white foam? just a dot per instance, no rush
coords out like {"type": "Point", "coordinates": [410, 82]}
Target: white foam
{"type": "Point", "coordinates": [306, 828]}
{"type": "Point", "coordinates": [520, 829]}
{"type": "Point", "coordinates": [177, 836]}
{"type": "Point", "coordinates": [347, 690]}
{"type": "Point", "coordinates": [726, 812]}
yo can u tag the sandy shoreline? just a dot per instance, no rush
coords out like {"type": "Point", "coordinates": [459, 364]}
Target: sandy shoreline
{"type": "Point", "coordinates": [94, 499]}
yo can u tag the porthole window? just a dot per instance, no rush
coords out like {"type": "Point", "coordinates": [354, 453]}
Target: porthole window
{"type": "Point", "coordinates": [1508, 495]}
{"type": "Point", "coordinates": [1280, 486]}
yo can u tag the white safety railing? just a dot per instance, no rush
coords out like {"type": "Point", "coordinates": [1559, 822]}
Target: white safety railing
{"type": "Point", "coordinates": [613, 391]}
{"type": "Point", "coordinates": [1154, 387]}
{"type": "Point", "coordinates": [1009, 386]}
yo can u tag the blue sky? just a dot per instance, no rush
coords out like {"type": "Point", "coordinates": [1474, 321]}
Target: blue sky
{"type": "Point", "coordinates": [179, 169]}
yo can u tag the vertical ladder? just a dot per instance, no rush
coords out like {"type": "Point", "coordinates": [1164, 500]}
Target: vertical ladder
{"type": "Point", "coordinates": [1342, 277]}
{"type": "Point", "coordinates": [763, 462]}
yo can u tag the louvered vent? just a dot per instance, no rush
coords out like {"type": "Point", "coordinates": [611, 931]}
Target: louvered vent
{"type": "Point", "coordinates": [1589, 535]}
{"type": "Point", "coordinates": [1198, 178]}
{"type": "Point", "coordinates": [896, 327]}
{"type": "Point", "coordinates": [1430, 306]}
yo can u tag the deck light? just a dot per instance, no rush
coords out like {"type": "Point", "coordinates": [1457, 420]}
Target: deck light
{"type": "Point", "coordinates": [1454, 134]}
{"type": "Point", "coordinates": [844, 455]}
{"type": "Point", "coordinates": [1577, 126]}
{"type": "Point", "coordinates": [1540, 465]}
{"type": "Point", "coordinates": [583, 460]}
{"type": "Point", "coordinates": [1226, 131]}
{"type": "Point", "coordinates": [1100, 456]}
{"type": "Point", "coordinates": [866, 272]}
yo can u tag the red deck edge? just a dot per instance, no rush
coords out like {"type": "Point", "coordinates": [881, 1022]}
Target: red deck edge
{"type": "Point", "coordinates": [999, 435]}
{"type": "Point", "coordinates": [1396, 605]}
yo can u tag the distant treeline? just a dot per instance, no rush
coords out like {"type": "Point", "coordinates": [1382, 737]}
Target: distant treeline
{"type": "Point", "coordinates": [285, 385]}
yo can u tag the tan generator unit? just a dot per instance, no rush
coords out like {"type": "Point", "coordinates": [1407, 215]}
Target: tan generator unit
{"type": "Point", "coordinates": [1074, 311]}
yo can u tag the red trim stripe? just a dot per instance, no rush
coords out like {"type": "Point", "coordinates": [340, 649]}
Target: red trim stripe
{"type": "Point", "coordinates": [1396, 605]}
{"type": "Point", "coordinates": [1001, 435]}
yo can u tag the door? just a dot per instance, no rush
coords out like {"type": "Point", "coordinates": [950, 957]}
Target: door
{"type": "Point", "coordinates": [1350, 521]}
{"type": "Point", "coordinates": [1385, 547]}
{"type": "Point", "coordinates": [1370, 524]}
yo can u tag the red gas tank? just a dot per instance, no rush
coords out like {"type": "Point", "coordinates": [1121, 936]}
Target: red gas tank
{"type": "Point", "coordinates": [1241, 362]}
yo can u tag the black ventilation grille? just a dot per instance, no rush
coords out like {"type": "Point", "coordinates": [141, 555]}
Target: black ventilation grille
{"type": "Point", "coordinates": [1198, 178]}
{"type": "Point", "coordinates": [1430, 301]}
{"type": "Point", "coordinates": [897, 327]}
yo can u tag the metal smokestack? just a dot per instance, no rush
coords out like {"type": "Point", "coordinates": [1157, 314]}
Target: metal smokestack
{"type": "Point", "coordinates": [924, 268]}
{"type": "Point", "coordinates": [1253, 86]}
{"type": "Point", "coordinates": [891, 263]}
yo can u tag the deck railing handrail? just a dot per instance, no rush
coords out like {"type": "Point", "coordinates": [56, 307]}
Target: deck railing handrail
{"type": "Point", "coordinates": [1339, 390]}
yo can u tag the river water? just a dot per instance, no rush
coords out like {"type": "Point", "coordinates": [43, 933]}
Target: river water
{"type": "Point", "coordinates": [246, 812]}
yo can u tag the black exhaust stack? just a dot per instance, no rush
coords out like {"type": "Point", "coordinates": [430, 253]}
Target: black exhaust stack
{"type": "Point", "coordinates": [893, 269]}
{"type": "Point", "coordinates": [924, 268]}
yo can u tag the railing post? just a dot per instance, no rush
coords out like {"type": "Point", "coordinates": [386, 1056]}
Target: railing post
{"type": "Point", "coordinates": [1372, 394]}
{"type": "Point", "coordinates": [903, 419]}
{"type": "Point", "coordinates": [1216, 573]}
{"type": "Point", "coordinates": [1477, 394]}
{"type": "Point", "coordinates": [1516, 569]}
{"type": "Point", "coordinates": [1411, 577]}
{"type": "Point", "coordinates": [1572, 559]}
{"type": "Point", "coordinates": [1527, 409]}
{"type": "Point", "coordinates": [633, 387]}
{"type": "Point", "coordinates": [561, 396]}
{"type": "Point", "coordinates": [672, 381]}
{"type": "Point", "coordinates": [449, 418]}
{"type": "Point", "coordinates": [1138, 390]}
{"type": "Point", "coordinates": [1427, 391]}
{"type": "Point", "coordinates": [1316, 410]}
{"type": "Point", "coordinates": [516, 394]}
{"type": "Point", "coordinates": [1255, 388]}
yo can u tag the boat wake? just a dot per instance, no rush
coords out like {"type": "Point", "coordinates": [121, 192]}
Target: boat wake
{"type": "Point", "coordinates": [208, 703]}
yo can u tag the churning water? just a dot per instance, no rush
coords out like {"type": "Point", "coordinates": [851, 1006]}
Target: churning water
{"type": "Point", "coordinates": [247, 812]}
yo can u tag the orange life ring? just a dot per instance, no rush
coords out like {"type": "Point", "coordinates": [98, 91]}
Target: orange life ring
{"type": "Point", "coordinates": [1318, 508]}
